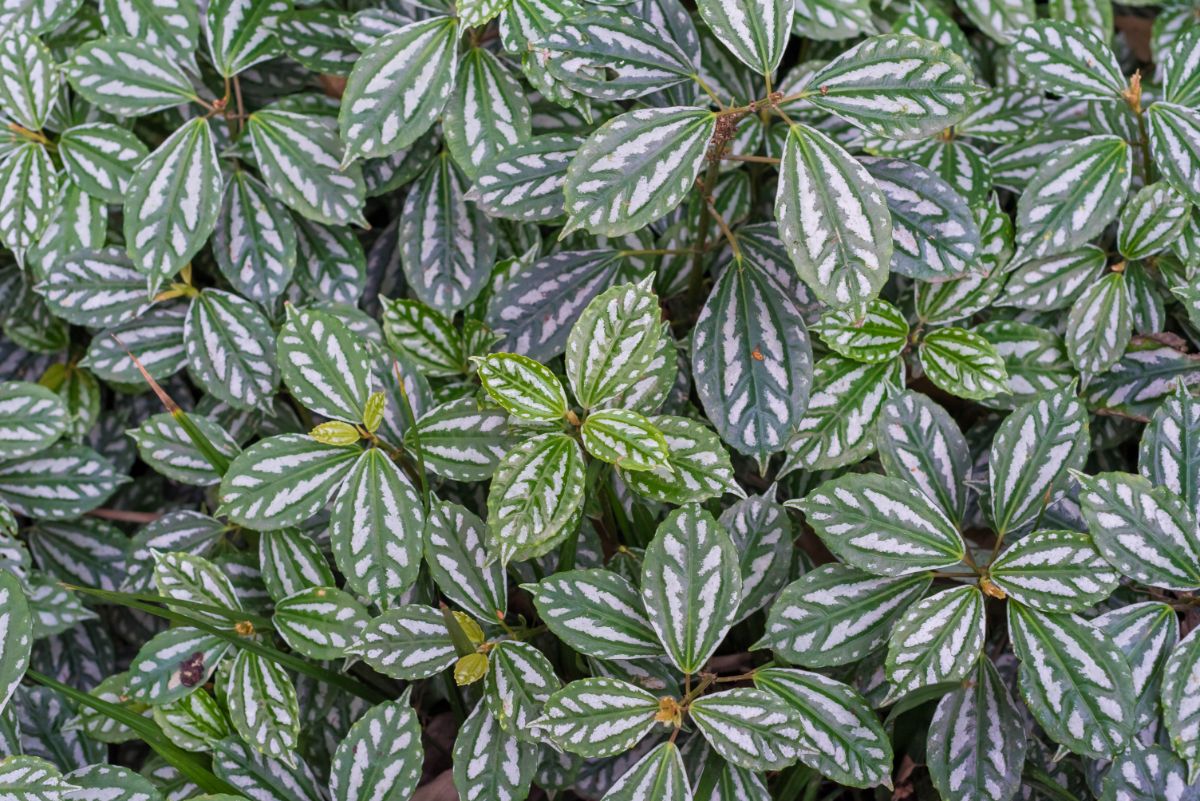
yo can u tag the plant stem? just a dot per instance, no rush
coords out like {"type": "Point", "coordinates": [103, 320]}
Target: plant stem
{"type": "Point", "coordinates": [696, 281]}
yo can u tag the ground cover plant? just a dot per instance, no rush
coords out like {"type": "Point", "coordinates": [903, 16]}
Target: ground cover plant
{"type": "Point", "coordinates": [599, 400]}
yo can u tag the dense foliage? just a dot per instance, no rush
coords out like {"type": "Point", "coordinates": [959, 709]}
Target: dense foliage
{"type": "Point", "coordinates": [624, 400]}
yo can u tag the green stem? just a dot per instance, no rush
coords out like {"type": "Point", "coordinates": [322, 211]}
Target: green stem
{"type": "Point", "coordinates": [696, 281]}
{"type": "Point", "coordinates": [410, 423]}
{"type": "Point", "coordinates": [188, 764]}
{"type": "Point", "coordinates": [462, 643]}
{"type": "Point", "coordinates": [120, 598]}
{"type": "Point", "coordinates": [456, 702]}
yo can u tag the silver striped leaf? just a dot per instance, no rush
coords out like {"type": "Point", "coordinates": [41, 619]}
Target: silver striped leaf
{"type": "Point", "coordinates": [840, 735]}
{"type": "Point", "coordinates": [919, 442]}
{"type": "Point", "coordinates": [882, 525]}
{"type": "Point", "coordinates": [1180, 711]}
{"type": "Point", "coordinates": [166, 447]}
{"type": "Point", "coordinates": [80, 224]}
{"type": "Point", "coordinates": [290, 562]}
{"type": "Point", "coordinates": [762, 536]}
{"type": "Point", "coordinates": [31, 418]}
{"type": "Point", "coordinates": [86, 551]}
{"type": "Point", "coordinates": [1030, 455]}
{"type": "Point", "coordinates": [262, 703]}
{"type": "Point", "coordinates": [398, 88]}
{"type": "Point", "coordinates": [29, 80]}
{"type": "Point", "coordinates": [524, 182]}
{"type": "Point", "coordinates": [1074, 680]}
{"type": "Point", "coordinates": [596, 612]}
{"type": "Point", "coordinates": [488, 762]}
{"type": "Point", "coordinates": [424, 336]}
{"type": "Point", "coordinates": [254, 241]}
{"type": "Point", "coordinates": [173, 201]}
{"type": "Point", "coordinates": [833, 219]}
{"type": "Point", "coordinates": [756, 32]}
{"type": "Point", "coordinates": [837, 428]}
{"type": "Point", "coordinates": [751, 728]}
{"type": "Point", "coordinates": [895, 85]}
{"type": "Point", "coordinates": [524, 387]}
{"type": "Point", "coordinates": [330, 262]}
{"type": "Point", "coordinates": [300, 159]}
{"type": "Point", "coordinates": [462, 440]}
{"type": "Point", "coordinates": [876, 333]}
{"type": "Point", "coordinates": [525, 22]}
{"type": "Point", "coordinates": [691, 586]}
{"type": "Point", "coordinates": [457, 561]}
{"type": "Point", "coordinates": [1145, 772]}
{"type": "Point", "coordinates": [380, 757]}
{"type": "Point", "coordinates": [624, 438]}
{"type": "Point", "coordinates": [535, 498]}
{"type": "Point", "coordinates": [833, 20]}
{"type": "Point", "coordinates": [977, 743]}
{"type": "Point", "coordinates": [1144, 531]}
{"type": "Point", "coordinates": [128, 77]}
{"type": "Point", "coordinates": [194, 580]}
{"type": "Point", "coordinates": [519, 680]}
{"type": "Point", "coordinates": [536, 308]}
{"type": "Point", "coordinates": [612, 343]}
{"type": "Point", "coordinates": [1099, 326]}
{"type": "Point", "coordinates": [95, 288]}
{"type": "Point", "coordinates": [324, 364]}
{"type": "Point", "coordinates": [100, 157]}
{"type": "Point", "coordinates": [172, 26]}
{"type": "Point", "coordinates": [59, 482]}
{"type": "Point", "coordinates": [1146, 633]}
{"type": "Point", "coordinates": [282, 481]}
{"type": "Point", "coordinates": [635, 168]}
{"type": "Point", "coordinates": [1004, 115]}
{"type": "Point", "coordinates": [17, 624]}
{"type": "Point", "coordinates": [751, 361]}
{"type": "Point", "coordinates": [110, 782]}
{"type": "Point", "coordinates": [1181, 68]}
{"type": "Point", "coordinates": [370, 25]}
{"type": "Point", "coordinates": [1170, 448]}
{"type": "Point", "coordinates": [30, 190]}
{"type": "Point", "coordinates": [447, 244]}
{"type": "Point", "coordinates": [698, 467]}
{"type": "Point", "coordinates": [1035, 359]}
{"type": "Point", "coordinates": [1073, 196]}
{"type": "Point", "coordinates": [938, 641]}
{"type": "Point", "coordinates": [998, 19]}
{"type": "Point", "coordinates": [1067, 59]}
{"type": "Point", "coordinates": [613, 57]}
{"type": "Point", "coordinates": [1054, 571]}
{"type": "Point", "coordinates": [1147, 374]}
{"type": "Point", "coordinates": [650, 392]}
{"type": "Point", "coordinates": [194, 723]}
{"type": "Point", "coordinates": [962, 165]}
{"type": "Point", "coordinates": [231, 349]}
{"type": "Point", "coordinates": [316, 38]}
{"type": "Point", "coordinates": [254, 774]}
{"type": "Point", "coordinates": [406, 642]}
{"type": "Point", "coordinates": [934, 232]}
{"type": "Point", "coordinates": [241, 33]}
{"type": "Point", "coordinates": [173, 663]}
{"type": "Point", "coordinates": [181, 530]}
{"type": "Point", "coordinates": [376, 527]}
{"type": "Point", "coordinates": [31, 778]}
{"type": "Point", "coordinates": [1053, 282]}
{"type": "Point", "coordinates": [963, 363]}
{"type": "Point", "coordinates": [660, 775]}
{"type": "Point", "coordinates": [155, 337]}
{"type": "Point", "coordinates": [1152, 220]}
{"type": "Point", "coordinates": [597, 717]}
{"type": "Point", "coordinates": [319, 622]}
{"type": "Point", "coordinates": [488, 112]}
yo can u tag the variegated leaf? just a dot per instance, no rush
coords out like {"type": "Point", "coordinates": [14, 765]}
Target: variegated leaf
{"type": "Point", "coordinates": [95, 288]}
{"type": "Point", "coordinates": [173, 663]}
{"type": "Point", "coordinates": [919, 442]}
{"type": "Point", "coordinates": [762, 536]}
{"type": "Point", "coordinates": [751, 728]}
{"type": "Point", "coordinates": [1054, 571]}
{"type": "Point", "coordinates": [1075, 681]}
{"type": "Point", "coordinates": [1170, 448]}
{"type": "Point", "coordinates": [596, 612]}
{"type": "Point", "coordinates": [691, 586]}
{"type": "Point", "coordinates": [241, 33]}
{"type": "Point", "coordinates": [840, 735]}
{"type": "Point", "coordinates": [882, 525]}
{"type": "Point", "coordinates": [1146, 633]}
{"type": "Point", "coordinates": [1180, 710]}
{"type": "Point", "coordinates": [31, 418]}
{"type": "Point", "coordinates": [253, 773]}
{"type": "Point", "coordinates": [262, 703]}
{"type": "Point", "coordinates": [194, 580]}
{"type": "Point", "coordinates": [833, 219]}
{"type": "Point", "coordinates": [406, 642]}
{"type": "Point", "coordinates": [487, 113]}
{"type": "Point", "coordinates": [1053, 282]}
{"type": "Point", "coordinates": [635, 168]}
{"type": "Point", "coordinates": [254, 241]}
{"type": "Point", "coordinates": [381, 756]}
{"type": "Point", "coordinates": [698, 468]}
{"type": "Point", "coordinates": [31, 778]}
{"type": "Point", "coordinates": [28, 79]}
{"type": "Point", "coordinates": [977, 742]}
{"type": "Point", "coordinates": [231, 349]}
{"type": "Point", "coordinates": [525, 181]}
{"type": "Point", "coordinates": [524, 387]}
{"type": "Point", "coordinates": [109, 782]}
{"type": "Point", "coordinates": [490, 763]}
{"type": "Point", "coordinates": [173, 201]}
{"type": "Point", "coordinates": [462, 440]}
{"type": "Point", "coordinates": [289, 562]}
{"type": "Point", "coordinates": [625, 439]}
{"type": "Point", "coordinates": [398, 88]}
{"type": "Point", "coordinates": [60, 482]}
{"type": "Point", "coordinates": [1068, 60]}
{"type": "Point", "coordinates": [838, 427]}
{"type": "Point", "coordinates": [660, 774]}
{"type": "Point", "coordinates": [424, 336]}
{"type": "Point", "coordinates": [330, 262]}
{"type": "Point", "coordinates": [376, 527]}
{"type": "Point", "coordinates": [1099, 326]}
{"type": "Point", "coordinates": [166, 447]}
{"type": "Point", "coordinates": [1031, 453]}
{"type": "Point", "coordinates": [170, 25]}
{"type": "Point", "coordinates": [316, 38]}
{"type": "Point", "coordinates": [30, 191]}
{"type": "Point", "coordinates": [319, 622]}
{"type": "Point", "coordinates": [876, 334]}
{"type": "Point", "coordinates": [1144, 531]}
{"type": "Point", "coordinates": [1175, 145]}
{"type": "Point", "coordinates": [100, 157]}
{"type": "Point", "coordinates": [1143, 772]}
{"type": "Point", "coordinates": [833, 20]}
{"type": "Point", "coordinates": [1152, 219]}
{"type": "Point", "coordinates": [612, 343]}
{"type": "Point", "coordinates": [963, 363]}
{"type": "Point", "coordinates": [457, 560]}
{"type": "Point", "coordinates": [751, 360]}
{"type": "Point", "coordinates": [519, 680]}
{"type": "Point", "coordinates": [938, 640]}
{"type": "Point", "coordinates": [284, 480]}
{"type": "Point", "coordinates": [324, 364]}
{"type": "Point", "coordinates": [597, 717]}
{"type": "Point", "coordinates": [17, 626]}
{"type": "Point", "coordinates": [128, 77]}
{"type": "Point", "coordinates": [535, 498]}
{"type": "Point", "coordinates": [756, 32]}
